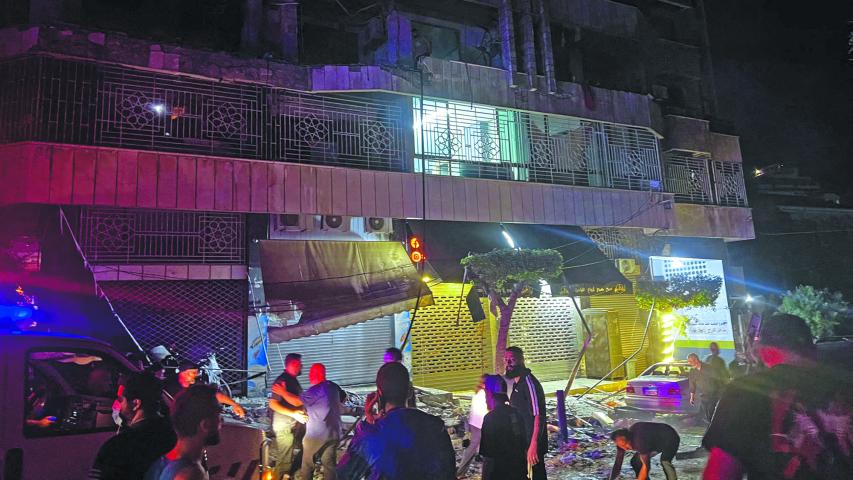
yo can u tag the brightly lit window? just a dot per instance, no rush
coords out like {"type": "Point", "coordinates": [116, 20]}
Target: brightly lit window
{"type": "Point", "coordinates": [468, 140]}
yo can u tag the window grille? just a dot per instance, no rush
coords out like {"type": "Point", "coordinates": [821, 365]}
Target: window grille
{"type": "Point", "coordinates": [190, 318]}
{"type": "Point", "coordinates": [688, 176]}
{"type": "Point", "coordinates": [118, 236]}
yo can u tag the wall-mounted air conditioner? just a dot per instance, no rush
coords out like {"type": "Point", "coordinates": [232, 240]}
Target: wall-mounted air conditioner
{"type": "Point", "coordinates": [628, 266]}
{"type": "Point", "coordinates": [377, 225]}
{"type": "Point", "coordinates": [334, 223]}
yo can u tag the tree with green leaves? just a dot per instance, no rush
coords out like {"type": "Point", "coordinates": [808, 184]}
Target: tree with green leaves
{"type": "Point", "coordinates": [664, 297]}
{"type": "Point", "coordinates": [505, 275]}
{"type": "Point", "coordinates": [820, 308]}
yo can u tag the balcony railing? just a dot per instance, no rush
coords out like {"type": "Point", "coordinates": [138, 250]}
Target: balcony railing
{"type": "Point", "coordinates": [729, 184]}
{"type": "Point", "coordinates": [88, 103]}
{"type": "Point", "coordinates": [695, 178]}
{"type": "Point", "coordinates": [462, 139]}
{"type": "Point", "coordinates": [49, 99]}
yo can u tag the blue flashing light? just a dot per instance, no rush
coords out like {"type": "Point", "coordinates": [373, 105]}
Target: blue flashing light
{"type": "Point", "coordinates": [16, 312]}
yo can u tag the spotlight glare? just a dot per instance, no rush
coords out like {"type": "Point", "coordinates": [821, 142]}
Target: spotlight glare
{"type": "Point", "coordinates": [509, 240]}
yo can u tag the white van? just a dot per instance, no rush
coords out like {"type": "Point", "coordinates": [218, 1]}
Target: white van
{"type": "Point", "coordinates": [57, 393]}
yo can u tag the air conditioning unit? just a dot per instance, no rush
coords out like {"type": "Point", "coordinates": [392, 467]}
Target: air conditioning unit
{"type": "Point", "coordinates": [628, 266]}
{"type": "Point", "coordinates": [290, 222]}
{"type": "Point", "coordinates": [334, 223]}
{"type": "Point", "coordinates": [377, 225]}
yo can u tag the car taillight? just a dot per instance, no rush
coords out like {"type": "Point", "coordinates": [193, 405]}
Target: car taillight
{"type": "Point", "coordinates": [673, 391]}
{"type": "Point", "coordinates": [629, 389]}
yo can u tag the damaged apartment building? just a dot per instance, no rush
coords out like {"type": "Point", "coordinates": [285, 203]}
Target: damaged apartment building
{"type": "Point", "coordinates": [242, 176]}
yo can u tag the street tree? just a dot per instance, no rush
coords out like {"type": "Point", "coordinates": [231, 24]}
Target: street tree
{"type": "Point", "coordinates": [665, 297]}
{"type": "Point", "coordinates": [505, 275]}
{"type": "Point", "coordinates": [820, 308]}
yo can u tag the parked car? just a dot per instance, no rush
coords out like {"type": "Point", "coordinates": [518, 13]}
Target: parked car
{"type": "Point", "coordinates": [662, 389]}
{"type": "Point", "coordinates": [57, 393]}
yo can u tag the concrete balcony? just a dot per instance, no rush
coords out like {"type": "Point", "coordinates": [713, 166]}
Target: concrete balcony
{"type": "Point", "coordinates": [711, 221]}
{"type": "Point", "coordinates": [49, 173]}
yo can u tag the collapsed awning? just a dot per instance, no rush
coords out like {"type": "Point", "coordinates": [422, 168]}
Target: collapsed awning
{"type": "Point", "coordinates": [587, 271]}
{"type": "Point", "coordinates": [336, 283]}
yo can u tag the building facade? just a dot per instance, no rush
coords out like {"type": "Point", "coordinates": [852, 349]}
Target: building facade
{"type": "Point", "coordinates": [173, 147]}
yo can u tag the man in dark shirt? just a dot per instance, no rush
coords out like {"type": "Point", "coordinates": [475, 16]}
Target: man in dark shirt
{"type": "Point", "coordinates": [394, 354]}
{"type": "Point", "coordinates": [503, 441]}
{"type": "Point", "coordinates": [704, 386]}
{"type": "Point", "coordinates": [791, 421]}
{"type": "Point", "coordinates": [146, 436]}
{"type": "Point", "coordinates": [288, 416]}
{"type": "Point", "coordinates": [718, 365]}
{"type": "Point", "coordinates": [404, 443]}
{"type": "Point", "coordinates": [188, 373]}
{"type": "Point", "coordinates": [646, 439]}
{"type": "Point", "coordinates": [529, 399]}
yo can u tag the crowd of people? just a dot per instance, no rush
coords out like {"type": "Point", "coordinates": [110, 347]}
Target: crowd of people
{"type": "Point", "coordinates": [791, 420]}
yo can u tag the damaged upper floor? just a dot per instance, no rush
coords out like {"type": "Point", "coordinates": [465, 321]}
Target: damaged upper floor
{"type": "Point", "coordinates": [655, 48]}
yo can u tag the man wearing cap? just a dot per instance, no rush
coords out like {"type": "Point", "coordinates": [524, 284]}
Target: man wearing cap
{"type": "Point", "coordinates": [188, 375]}
{"type": "Point", "coordinates": [404, 443]}
{"type": "Point", "coordinates": [790, 421]}
{"type": "Point", "coordinates": [503, 442]}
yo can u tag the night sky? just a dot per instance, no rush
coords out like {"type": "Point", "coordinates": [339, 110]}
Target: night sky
{"type": "Point", "coordinates": [783, 79]}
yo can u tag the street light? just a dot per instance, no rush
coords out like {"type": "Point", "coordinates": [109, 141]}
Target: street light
{"type": "Point", "coordinates": [749, 298]}
{"type": "Point", "coordinates": [507, 237]}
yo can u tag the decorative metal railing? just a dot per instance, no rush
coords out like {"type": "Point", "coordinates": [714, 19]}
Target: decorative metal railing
{"type": "Point", "coordinates": [729, 184]}
{"type": "Point", "coordinates": [119, 236]}
{"type": "Point", "coordinates": [688, 176]}
{"type": "Point", "coordinates": [88, 103]}
{"type": "Point", "coordinates": [50, 99]}
{"type": "Point", "coordinates": [694, 177]}
{"type": "Point", "coordinates": [468, 140]}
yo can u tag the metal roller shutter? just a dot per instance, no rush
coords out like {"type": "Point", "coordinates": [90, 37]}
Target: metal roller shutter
{"type": "Point", "coordinates": [352, 354]}
{"type": "Point", "coordinates": [545, 329]}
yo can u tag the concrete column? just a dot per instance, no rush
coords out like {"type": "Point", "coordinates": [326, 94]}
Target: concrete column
{"type": "Point", "coordinates": [507, 30]}
{"type": "Point", "coordinates": [528, 42]}
{"type": "Point", "coordinates": [546, 50]}
{"type": "Point", "coordinates": [250, 36]}
{"type": "Point", "coordinates": [283, 29]}
{"type": "Point", "coordinates": [399, 43]}
{"type": "Point", "coordinates": [576, 55]}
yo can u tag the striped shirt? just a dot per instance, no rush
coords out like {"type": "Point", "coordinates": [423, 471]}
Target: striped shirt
{"type": "Point", "coordinates": [529, 398]}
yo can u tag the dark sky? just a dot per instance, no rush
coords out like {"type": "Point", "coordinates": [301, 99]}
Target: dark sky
{"type": "Point", "coordinates": [783, 78]}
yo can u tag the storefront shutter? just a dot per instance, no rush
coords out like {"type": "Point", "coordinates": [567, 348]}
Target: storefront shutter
{"type": "Point", "coordinates": [352, 354]}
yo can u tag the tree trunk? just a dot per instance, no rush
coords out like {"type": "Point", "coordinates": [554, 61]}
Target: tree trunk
{"type": "Point", "coordinates": [503, 336]}
{"type": "Point", "coordinates": [505, 310]}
